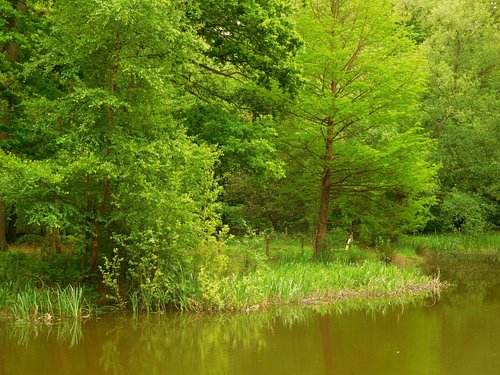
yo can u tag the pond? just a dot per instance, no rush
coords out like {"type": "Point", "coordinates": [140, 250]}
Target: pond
{"type": "Point", "coordinates": [457, 334]}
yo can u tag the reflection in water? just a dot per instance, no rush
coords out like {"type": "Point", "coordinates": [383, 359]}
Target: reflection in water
{"type": "Point", "coordinates": [68, 332]}
{"type": "Point", "coordinates": [475, 278]}
{"type": "Point", "coordinates": [456, 335]}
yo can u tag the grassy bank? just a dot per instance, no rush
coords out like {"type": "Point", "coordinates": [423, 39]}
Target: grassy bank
{"type": "Point", "coordinates": [42, 289]}
{"type": "Point", "coordinates": [248, 274]}
{"type": "Point", "coordinates": [306, 283]}
{"type": "Point", "coordinates": [487, 243]}
{"type": "Point", "coordinates": [47, 305]}
{"type": "Point", "coordinates": [257, 272]}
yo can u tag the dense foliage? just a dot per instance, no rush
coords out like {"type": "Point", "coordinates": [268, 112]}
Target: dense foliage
{"type": "Point", "coordinates": [137, 134]}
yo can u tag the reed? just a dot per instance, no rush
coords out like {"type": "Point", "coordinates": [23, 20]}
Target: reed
{"type": "Point", "coordinates": [7, 294]}
{"type": "Point", "coordinates": [135, 302]}
{"type": "Point", "coordinates": [47, 304]}
{"type": "Point", "coordinates": [28, 305]}
{"type": "Point", "coordinates": [461, 243]}
{"type": "Point", "coordinates": [305, 283]}
{"type": "Point", "coordinates": [70, 301]}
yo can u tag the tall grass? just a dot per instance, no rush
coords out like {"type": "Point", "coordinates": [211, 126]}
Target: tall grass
{"type": "Point", "coordinates": [303, 283]}
{"type": "Point", "coordinates": [71, 302]}
{"type": "Point", "coordinates": [484, 243]}
{"type": "Point", "coordinates": [243, 277]}
{"type": "Point", "coordinates": [45, 304]}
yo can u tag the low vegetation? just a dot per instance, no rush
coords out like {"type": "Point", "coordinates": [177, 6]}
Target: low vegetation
{"type": "Point", "coordinates": [42, 289]}
{"type": "Point", "coordinates": [487, 243]}
{"type": "Point", "coordinates": [37, 287]}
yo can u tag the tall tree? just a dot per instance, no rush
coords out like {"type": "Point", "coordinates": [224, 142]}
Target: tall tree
{"type": "Point", "coordinates": [11, 37]}
{"type": "Point", "coordinates": [355, 134]}
{"type": "Point", "coordinates": [113, 68]}
{"type": "Point", "coordinates": [462, 45]}
{"type": "Point", "coordinates": [111, 159]}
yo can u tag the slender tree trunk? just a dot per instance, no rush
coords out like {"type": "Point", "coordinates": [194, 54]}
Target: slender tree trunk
{"type": "Point", "coordinates": [12, 226]}
{"type": "Point", "coordinates": [105, 185]}
{"type": "Point", "coordinates": [56, 232]}
{"type": "Point", "coordinates": [3, 210]}
{"type": "Point", "coordinates": [96, 227]}
{"type": "Point", "coordinates": [326, 181]}
{"type": "Point", "coordinates": [3, 206]}
{"type": "Point", "coordinates": [12, 52]}
{"type": "Point", "coordinates": [3, 221]}
{"type": "Point", "coordinates": [324, 207]}
{"type": "Point", "coordinates": [56, 240]}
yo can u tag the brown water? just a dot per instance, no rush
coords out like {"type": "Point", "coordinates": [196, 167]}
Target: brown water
{"type": "Point", "coordinates": [459, 334]}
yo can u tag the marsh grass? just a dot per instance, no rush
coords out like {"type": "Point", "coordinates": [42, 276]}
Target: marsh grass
{"type": "Point", "coordinates": [488, 243]}
{"type": "Point", "coordinates": [45, 305]}
{"type": "Point", "coordinates": [71, 302]}
{"type": "Point", "coordinates": [245, 276]}
{"type": "Point", "coordinates": [238, 277]}
{"type": "Point", "coordinates": [299, 282]}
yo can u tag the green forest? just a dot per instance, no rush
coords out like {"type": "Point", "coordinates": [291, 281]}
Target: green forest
{"type": "Point", "coordinates": [149, 149]}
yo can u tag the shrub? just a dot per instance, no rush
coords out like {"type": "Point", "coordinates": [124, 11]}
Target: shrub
{"type": "Point", "coordinates": [464, 212]}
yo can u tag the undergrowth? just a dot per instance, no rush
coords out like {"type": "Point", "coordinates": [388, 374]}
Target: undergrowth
{"type": "Point", "coordinates": [241, 275]}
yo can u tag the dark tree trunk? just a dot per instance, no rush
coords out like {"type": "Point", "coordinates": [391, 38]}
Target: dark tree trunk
{"type": "Point", "coordinates": [94, 256]}
{"type": "Point", "coordinates": [56, 240]}
{"type": "Point", "coordinates": [12, 51]}
{"type": "Point", "coordinates": [56, 232]}
{"type": "Point", "coordinates": [324, 207]}
{"type": "Point", "coordinates": [3, 226]}
{"type": "Point", "coordinates": [105, 185]}
{"type": "Point", "coordinates": [12, 227]}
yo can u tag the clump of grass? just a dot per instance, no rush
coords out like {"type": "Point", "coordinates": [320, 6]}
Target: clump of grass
{"type": "Point", "coordinates": [299, 283]}
{"type": "Point", "coordinates": [71, 302]}
{"type": "Point", "coordinates": [30, 304]}
{"type": "Point", "coordinates": [46, 304]}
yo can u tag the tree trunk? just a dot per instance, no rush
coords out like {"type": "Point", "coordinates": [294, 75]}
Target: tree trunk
{"type": "Point", "coordinates": [3, 226]}
{"type": "Point", "coordinates": [3, 207]}
{"type": "Point", "coordinates": [12, 51]}
{"type": "Point", "coordinates": [56, 232]}
{"type": "Point", "coordinates": [324, 207]}
{"type": "Point", "coordinates": [12, 226]}
{"type": "Point", "coordinates": [94, 257]}
{"type": "Point", "coordinates": [105, 185]}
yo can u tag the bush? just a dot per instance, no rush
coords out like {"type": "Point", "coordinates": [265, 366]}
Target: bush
{"type": "Point", "coordinates": [55, 269]}
{"type": "Point", "coordinates": [29, 239]}
{"type": "Point", "coordinates": [11, 266]}
{"type": "Point", "coordinates": [466, 213]}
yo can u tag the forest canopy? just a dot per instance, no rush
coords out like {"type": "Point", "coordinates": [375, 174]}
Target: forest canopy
{"type": "Point", "coordinates": [151, 129]}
